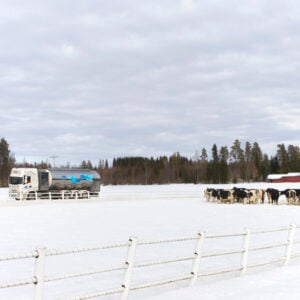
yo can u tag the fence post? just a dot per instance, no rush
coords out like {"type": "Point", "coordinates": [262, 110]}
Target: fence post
{"type": "Point", "coordinates": [290, 242]}
{"type": "Point", "coordinates": [196, 261]}
{"type": "Point", "coordinates": [244, 260]}
{"type": "Point", "coordinates": [129, 267]}
{"type": "Point", "coordinates": [39, 273]}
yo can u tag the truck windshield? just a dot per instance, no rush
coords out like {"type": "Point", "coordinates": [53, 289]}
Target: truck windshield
{"type": "Point", "coordinates": [15, 180]}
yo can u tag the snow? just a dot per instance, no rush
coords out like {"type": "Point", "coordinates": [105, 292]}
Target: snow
{"type": "Point", "coordinates": [278, 176]}
{"type": "Point", "coordinates": [275, 284]}
{"type": "Point", "coordinates": [147, 212]}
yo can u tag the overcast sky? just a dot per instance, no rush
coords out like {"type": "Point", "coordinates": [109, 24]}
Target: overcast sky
{"type": "Point", "coordinates": [102, 79]}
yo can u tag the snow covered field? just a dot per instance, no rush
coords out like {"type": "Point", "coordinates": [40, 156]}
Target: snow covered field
{"type": "Point", "coordinates": [148, 212]}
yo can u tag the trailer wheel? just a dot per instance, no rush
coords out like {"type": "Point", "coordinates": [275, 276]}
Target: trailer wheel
{"type": "Point", "coordinates": [84, 195]}
{"type": "Point", "coordinates": [75, 195]}
{"type": "Point", "coordinates": [31, 196]}
{"type": "Point", "coordinates": [67, 195]}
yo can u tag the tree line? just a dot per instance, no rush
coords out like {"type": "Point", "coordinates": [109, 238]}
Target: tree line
{"type": "Point", "coordinates": [237, 163]}
{"type": "Point", "coordinates": [224, 165]}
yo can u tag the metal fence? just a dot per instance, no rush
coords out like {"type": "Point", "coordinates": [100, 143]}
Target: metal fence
{"type": "Point", "coordinates": [39, 278]}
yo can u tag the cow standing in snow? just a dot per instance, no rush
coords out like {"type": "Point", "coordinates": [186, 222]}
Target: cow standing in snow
{"type": "Point", "coordinates": [252, 197]}
{"type": "Point", "coordinates": [273, 195]}
{"type": "Point", "coordinates": [211, 194]}
{"type": "Point", "coordinates": [240, 195]}
{"type": "Point", "coordinates": [290, 195]}
{"type": "Point", "coordinates": [225, 196]}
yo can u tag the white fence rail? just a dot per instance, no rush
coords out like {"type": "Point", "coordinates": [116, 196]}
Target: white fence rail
{"type": "Point", "coordinates": [64, 195]}
{"type": "Point", "coordinates": [39, 278]}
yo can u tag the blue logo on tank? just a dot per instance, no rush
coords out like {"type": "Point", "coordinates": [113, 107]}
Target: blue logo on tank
{"type": "Point", "coordinates": [77, 180]}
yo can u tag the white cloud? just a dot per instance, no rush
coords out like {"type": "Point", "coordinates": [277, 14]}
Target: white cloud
{"type": "Point", "coordinates": [188, 4]}
{"type": "Point", "coordinates": [68, 50]}
{"type": "Point", "coordinates": [13, 74]}
{"type": "Point", "coordinates": [147, 77]}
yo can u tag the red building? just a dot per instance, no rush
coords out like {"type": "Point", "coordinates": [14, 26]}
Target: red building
{"type": "Point", "coordinates": [287, 177]}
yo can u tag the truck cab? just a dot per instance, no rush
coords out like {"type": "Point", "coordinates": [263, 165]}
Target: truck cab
{"type": "Point", "coordinates": [22, 181]}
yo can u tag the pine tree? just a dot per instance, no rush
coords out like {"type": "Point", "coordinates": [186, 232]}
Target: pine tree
{"type": "Point", "coordinates": [224, 155]}
{"type": "Point", "coordinates": [265, 167]}
{"type": "Point", "coordinates": [248, 162]}
{"type": "Point", "coordinates": [237, 161]}
{"type": "Point", "coordinates": [203, 165]}
{"type": "Point", "coordinates": [274, 165]}
{"type": "Point", "coordinates": [283, 160]}
{"type": "Point", "coordinates": [215, 168]}
{"type": "Point", "coordinates": [293, 153]}
{"type": "Point", "coordinates": [256, 157]}
{"type": "Point", "coordinates": [6, 162]}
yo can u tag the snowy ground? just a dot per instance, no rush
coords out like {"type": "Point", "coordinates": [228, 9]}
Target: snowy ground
{"type": "Point", "coordinates": [148, 212]}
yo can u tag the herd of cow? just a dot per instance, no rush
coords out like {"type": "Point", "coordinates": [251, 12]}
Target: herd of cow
{"type": "Point", "coordinates": [251, 196]}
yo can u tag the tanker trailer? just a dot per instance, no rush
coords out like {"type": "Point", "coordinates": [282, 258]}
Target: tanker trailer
{"type": "Point", "coordinates": [32, 183]}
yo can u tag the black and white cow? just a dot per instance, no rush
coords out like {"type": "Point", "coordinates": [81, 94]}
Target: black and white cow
{"type": "Point", "coordinates": [211, 194]}
{"type": "Point", "coordinates": [290, 196]}
{"type": "Point", "coordinates": [240, 194]}
{"type": "Point", "coordinates": [225, 196]}
{"type": "Point", "coordinates": [273, 195]}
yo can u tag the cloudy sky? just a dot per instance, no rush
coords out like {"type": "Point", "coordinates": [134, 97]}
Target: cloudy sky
{"type": "Point", "coordinates": [98, 79]}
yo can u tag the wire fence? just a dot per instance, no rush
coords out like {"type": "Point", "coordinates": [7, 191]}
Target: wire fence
{"type": "Point", "coordinates": [197, 256]}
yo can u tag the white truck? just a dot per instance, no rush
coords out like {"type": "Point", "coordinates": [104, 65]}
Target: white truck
{"type": "Point", "coordinates": [33, 183]}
